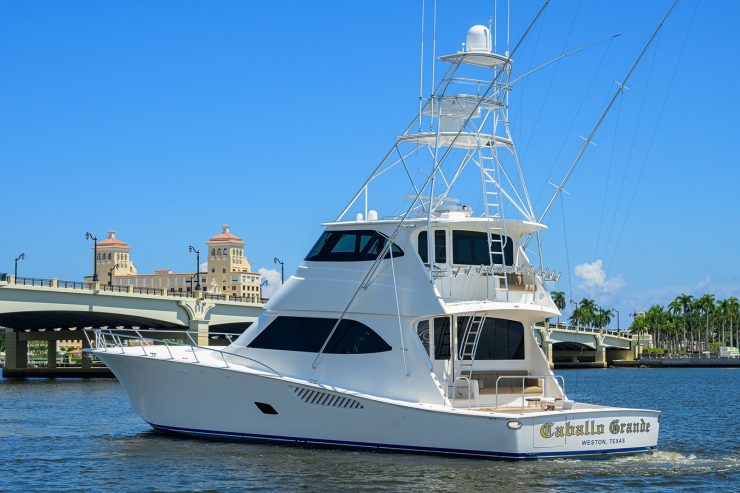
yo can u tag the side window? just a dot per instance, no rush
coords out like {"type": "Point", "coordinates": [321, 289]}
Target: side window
{"type": "Point", "coordinates": [471, 248]}
{"type": "Point", "coordinates": [307, 334]}
{"type": "Point", "coordinates": [351, 246]}
{"type": "Point", "coordinates": [440, 246]}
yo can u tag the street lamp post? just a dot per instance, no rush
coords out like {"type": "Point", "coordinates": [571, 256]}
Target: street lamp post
{"type": "Point", "coordinates": [192, 249]}
{"type": "Point", "coordinates": [110, 275]}
{"type": "Point", "coordinates": [90, 236]}
{"type": "Point", "coordinates": [19, 257]}
{"type": "Point", "coordinates": [617, 318]}
{"type": "Point", "coordinates": [575, 307]}
{"type": "Point", "coordinates": [282, 269]}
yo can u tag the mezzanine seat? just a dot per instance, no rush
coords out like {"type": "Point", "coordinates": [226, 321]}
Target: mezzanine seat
{"type": "Point", "coordinates": [487, 382]}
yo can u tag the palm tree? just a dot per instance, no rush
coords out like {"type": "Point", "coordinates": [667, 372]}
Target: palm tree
{"type": "Point", "coordinates": [706, 304]}
{"type": "Point", "coordinates": [588, 309]}
{"type": "Point", "coordinates": [558, 297]}
{"type": "Point", "coordinates": [638, 326]}
{"type": "Point", "coordinates": [655, 318]}
{"type": "Point", "coordinates": [687, 305]}
{"type": "Point", "coordinates": [733, 307]}
{"type": "Point", "coordinates": [723, 310]}
{"type": "Point", "coordinates": [675, 308]}
{"type": "Point", "coordinates": [603, 317]}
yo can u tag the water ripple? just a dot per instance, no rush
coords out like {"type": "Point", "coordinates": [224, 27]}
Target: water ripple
{"type": "Point", "coordinates": [83, 436]}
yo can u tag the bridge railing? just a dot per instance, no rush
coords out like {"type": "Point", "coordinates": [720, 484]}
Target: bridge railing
{"type": "Point", "coordinates": [120, 339]}
{"type": "Point", "coordinates": [58, 283]}
{"type": "Point", "coordinates": [591, 330]}
{"type": "Point", "coordinates": [51, 283]}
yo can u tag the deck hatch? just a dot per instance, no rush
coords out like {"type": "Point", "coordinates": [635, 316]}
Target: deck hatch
{"type": "Point", "coordinates": [318, 398]}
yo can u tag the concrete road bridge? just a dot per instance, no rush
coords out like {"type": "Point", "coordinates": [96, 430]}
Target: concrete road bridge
{"type": "Point", "coordinates": [569, 346]}
{"type": "Point", "coordinates": [53, 310]}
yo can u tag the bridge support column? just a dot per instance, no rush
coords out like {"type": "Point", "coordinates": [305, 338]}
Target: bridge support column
{"type": "Point", "coordinates": [51, 354]}
{"type": "Point", "coordinates": [16, 351]}
{"type": "Point", "coordinates": [600, 359]}
{"type": "Point", "coordinates": [201, 327]}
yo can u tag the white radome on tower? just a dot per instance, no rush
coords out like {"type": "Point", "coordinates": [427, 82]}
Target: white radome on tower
{"type": "Point", "coordinates": [478, 39]}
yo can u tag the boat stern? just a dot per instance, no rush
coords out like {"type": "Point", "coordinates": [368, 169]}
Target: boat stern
{"type": "Point", "coordinates": [603, 432]}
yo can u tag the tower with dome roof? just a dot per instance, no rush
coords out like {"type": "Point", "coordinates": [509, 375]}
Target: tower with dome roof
{"type": "Point", "coordinates": [113, 258]}
{"type": "Point", "coordinates": [228, 267]}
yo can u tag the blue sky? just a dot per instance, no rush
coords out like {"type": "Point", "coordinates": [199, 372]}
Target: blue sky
{"type": "Point", "coordinates": [164, 120]}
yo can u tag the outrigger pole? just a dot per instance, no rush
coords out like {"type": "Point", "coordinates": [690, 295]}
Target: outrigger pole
{"type": "Point", "coordinates": [373, 268]}
{"type": "Point", "coordinates": [620, 89]}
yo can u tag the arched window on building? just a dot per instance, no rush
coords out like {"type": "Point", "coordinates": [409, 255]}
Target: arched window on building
{"type": "Point", "coordinates": [218, 252]}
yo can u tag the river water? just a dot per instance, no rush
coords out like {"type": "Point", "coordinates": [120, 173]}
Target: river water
{"type": "Point", "coordinates": [84, 436]}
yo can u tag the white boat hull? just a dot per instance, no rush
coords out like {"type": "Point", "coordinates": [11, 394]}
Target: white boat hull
{"type": "Point", "coordinates": [205, 400]}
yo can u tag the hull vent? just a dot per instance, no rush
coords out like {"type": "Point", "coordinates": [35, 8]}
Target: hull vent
{"type": "Point", "coordinates": [319, 398]}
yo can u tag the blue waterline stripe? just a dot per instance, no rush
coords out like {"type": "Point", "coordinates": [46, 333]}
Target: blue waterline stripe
{"type": "Point", "coordinates": [399, 447]}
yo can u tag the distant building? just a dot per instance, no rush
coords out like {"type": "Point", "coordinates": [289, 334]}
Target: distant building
{"type": "Point", "coordinates": [228, 272]}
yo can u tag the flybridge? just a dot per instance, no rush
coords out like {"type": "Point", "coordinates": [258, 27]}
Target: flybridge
{"type": "Point", "coordinates": [461, 143]}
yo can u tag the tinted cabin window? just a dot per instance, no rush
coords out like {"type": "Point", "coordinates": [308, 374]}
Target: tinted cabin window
{"type": "Point", "coordinates": [440, 246]}
{"type": "Point", "coordinates": [500, 339]}
{"type": "Point", "coordinates": [470, 248]}
{"type": "Point", "coordinates": [422, 330]}
{"type": "Point", "coordinates": [307, 334]}
{"type": "Point", "coordinates": [442, 338]}
{"type": "Point", "coordinates": [350, 246]}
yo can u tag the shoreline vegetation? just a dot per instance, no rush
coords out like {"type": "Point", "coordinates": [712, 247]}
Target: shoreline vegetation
{"type": "Point", "coordinates": [687, 325]}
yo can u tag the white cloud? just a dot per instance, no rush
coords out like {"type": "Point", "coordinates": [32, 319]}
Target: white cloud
{"type": "Point", "coordinates": [704, 283]}
{"type": "Point", "coordinates": [594, 279]}
{"type": "Point", "coordinates": [204, 266]}
{"type": "Point", "coordinates": [272, 277]}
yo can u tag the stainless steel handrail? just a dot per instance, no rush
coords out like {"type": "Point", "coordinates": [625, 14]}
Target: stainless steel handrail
{"type": "Point", "coordinates": [454, 388]}
{"type": "Point", "coordinates": [117, 336]}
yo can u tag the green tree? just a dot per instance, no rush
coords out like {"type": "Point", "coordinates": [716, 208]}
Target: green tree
{"type": "Point", "coordinates": [588, 309]}
{"type": "Point", "coordinates": [707, 306]}
{"type": "Point", "coordinates": [558, 297]}
{"type": "Point", "coordinates": [733, 310]}
{"type": "Point", "coordinates": [638, 327]}
{"type": "Point", "coordinates": [602, 317]}
{"type": "Point", "coordinates": [676, 309]}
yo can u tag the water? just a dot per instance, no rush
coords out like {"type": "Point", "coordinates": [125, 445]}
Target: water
{"type": "Point", "coordinates": [84, 436]}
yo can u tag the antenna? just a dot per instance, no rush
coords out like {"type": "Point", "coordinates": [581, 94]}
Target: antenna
{"type": "Point", "coordinates": [434, 40]}
{"type": "Point", "coordinates": [421, 65]}
{"type": "Point", "coordinates": [508, 24]}
{"type": "Point", "coordinates": [495, 25]}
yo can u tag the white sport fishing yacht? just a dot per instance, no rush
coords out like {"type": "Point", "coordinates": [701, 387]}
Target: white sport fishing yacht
{"type": "Point", "coordinates": [413, 332]}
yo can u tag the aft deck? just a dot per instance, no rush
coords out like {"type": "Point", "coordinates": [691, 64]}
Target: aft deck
{"type": "Point", "coordinates": [577, 406]}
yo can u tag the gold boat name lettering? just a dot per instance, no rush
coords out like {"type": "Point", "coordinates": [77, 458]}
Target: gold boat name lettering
{"type": "Point", "coordinates": [589, 427]}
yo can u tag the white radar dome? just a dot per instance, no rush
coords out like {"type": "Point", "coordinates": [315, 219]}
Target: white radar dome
{"type": "Point", "coordinates": [478, 39]}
